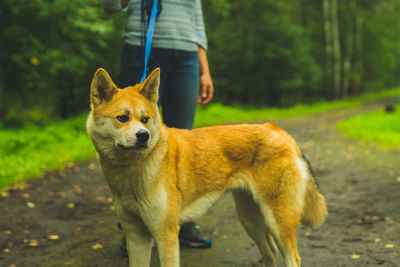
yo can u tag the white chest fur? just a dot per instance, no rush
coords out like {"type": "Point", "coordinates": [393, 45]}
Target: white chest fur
{"type": "Point", "coordinates": [136, 191]}
{"type": "Point", "coordinates": [199, 207]}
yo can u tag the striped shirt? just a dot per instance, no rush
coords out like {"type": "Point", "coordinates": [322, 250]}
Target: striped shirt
{"type": "Point", "coordinates": [180, 25]}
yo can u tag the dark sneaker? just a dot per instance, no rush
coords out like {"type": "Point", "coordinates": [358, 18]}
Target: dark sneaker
{"type": "Point", "coordinates": [190, 236]}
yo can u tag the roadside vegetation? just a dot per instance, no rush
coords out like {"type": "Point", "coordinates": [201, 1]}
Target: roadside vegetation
{"type": "Point", "coordinates": [378, 126]}
{"type": "Point", "coordinates": [218, 113]}
{"type": "Point", "coordinates": [29, 151]}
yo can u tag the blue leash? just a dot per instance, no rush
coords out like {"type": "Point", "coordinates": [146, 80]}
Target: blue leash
{"type": "Point", "coordinates": [149, 38]}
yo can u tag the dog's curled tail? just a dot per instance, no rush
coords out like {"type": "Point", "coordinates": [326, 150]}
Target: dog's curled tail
{"type": "Point", "coordinates": [315, 209]}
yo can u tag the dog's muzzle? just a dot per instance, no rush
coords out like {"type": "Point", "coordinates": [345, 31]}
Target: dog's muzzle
{"type": "Point", "coordinates": [142, 137]}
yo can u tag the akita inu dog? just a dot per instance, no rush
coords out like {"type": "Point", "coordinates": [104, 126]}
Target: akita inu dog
{"type": "Point", "coordinates": [161, 176]}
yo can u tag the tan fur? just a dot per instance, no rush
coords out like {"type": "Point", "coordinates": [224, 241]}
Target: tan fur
{"type": "Point", "coordinates": [181, 173]}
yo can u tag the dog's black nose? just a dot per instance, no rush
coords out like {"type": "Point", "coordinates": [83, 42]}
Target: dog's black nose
{"type": "Point", "coordinates": [142, 136]}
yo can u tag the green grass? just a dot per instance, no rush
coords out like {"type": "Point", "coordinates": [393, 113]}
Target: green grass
{"type": "Point", "coordinates": [217, 113]}
{"type": "Point", "coordinates": [30, 151]}
{"type": "Point", "coordinates": [377, 126]}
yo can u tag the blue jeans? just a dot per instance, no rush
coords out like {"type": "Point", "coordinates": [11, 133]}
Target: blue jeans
{"type": "Point", "coordinates": [179, 85]}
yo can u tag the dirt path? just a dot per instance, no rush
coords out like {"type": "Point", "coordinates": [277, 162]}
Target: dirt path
{"type": "Point", "coordinates": [66, 217]}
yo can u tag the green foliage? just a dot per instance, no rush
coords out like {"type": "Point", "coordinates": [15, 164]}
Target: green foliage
{"type": "Point", "coordinates": [381, 55]}
{"type": "Point", "coordinates": [49, 51]}
{"type": "Point", "coordinates": [30, 151]}
{"type": "Point", "coordinates": [259, 53]}
{"type": "Point", "coordinates": [219, 114]}
{"type": "Point", "coordinates": [274, 52]}
{"type": "Point", "coordinates": [377, 126]}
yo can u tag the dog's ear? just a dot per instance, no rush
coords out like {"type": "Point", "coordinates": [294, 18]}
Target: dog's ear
{"type": "Point", "coordinates": [150, 86]}
{"type": "Point", "coordinates": [102, 88]}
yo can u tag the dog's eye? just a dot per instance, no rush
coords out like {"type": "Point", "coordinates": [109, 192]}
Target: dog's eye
{"type": "Point", "coordinates": [145, 120]}
{"type": "Point", "coordinates": [123, 118]}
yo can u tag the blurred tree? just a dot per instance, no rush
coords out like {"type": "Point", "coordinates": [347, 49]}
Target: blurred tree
{"type": "Point", "coordinates": [260, 51]}
{"type": "Point", "coordinates": [380, 44]}
{"type": "Point", "coordinates": [349, 35]}
{"type": "Point", "coordinates": [49, 51]}
{"type": "Point", "coordinates": [268, 52]}
{"type": "Point", "coordinates": [329, 70]}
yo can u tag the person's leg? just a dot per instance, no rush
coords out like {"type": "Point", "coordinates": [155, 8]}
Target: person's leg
{"type": "Point", "coordinates": [131, 66]}
{"type": "Point", "coordinates": [179, 99]}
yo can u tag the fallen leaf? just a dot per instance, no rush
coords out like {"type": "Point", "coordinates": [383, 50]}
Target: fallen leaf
{"type": "Point", "coordinates": [389, 246]}
{"type": "Point", "coordinates": [53, 237]}
{"type": "Point", "coordinates": [12, 265]}
{"type": "Point", "coordinates": [30, 205]}
{"type": "Point", "coordinates": [26, 195]}
{"type": "Point", "coordinates": [97, 246]}
{"type": "Point", "coordinates": [228, 250]}
{"type": "Point", "coordinates": [71, 205]}
{"type": "Point", "coordinates": [100, 198]}
{"type": "Point", "coordinates": [27, 232]}
{"type": "Point", "coordinates": [112, 207]}
{"type": "Point", "coordinates": [389, 220]}
{"type": "Point", "coordinates": [6, 250]}
{"type": "Point", "coordinates": [398, 179]}
{"type": "Point", "coordinates": [92, 166]}
{"type": "Point", "coordinates": [355, 256]}
{"type": "Point", "coordinates": [307, 233]}
{"type": "Point", "coordinates": [78, 189]}
{"type": "Point", "coordinates": [7, 232]}
{"type": "Point", "coordinates": [25, 241]}
{"type": "Point", "coordinates": [377, 240]}
{"type": "Point", "coordinates": [4, 194]}
{"type": "Point", "coordinates": [21, 186]}
{"type": "Point", "coordinates": [33, 243]}
{"type": "Point", "coordinates": [376, 218]}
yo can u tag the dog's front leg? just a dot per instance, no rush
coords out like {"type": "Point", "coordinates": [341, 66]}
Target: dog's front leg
{"type": "Point", "coordinates": [168, 244]}
{"type": "Point", "coordinates": [139, 241]}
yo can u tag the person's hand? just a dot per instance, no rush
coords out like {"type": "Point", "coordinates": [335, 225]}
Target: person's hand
{"type": "Point", "coordinates": [207, 89]}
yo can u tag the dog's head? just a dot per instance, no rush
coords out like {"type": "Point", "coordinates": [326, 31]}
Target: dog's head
{"type": "Point", "coordinates": [124, 122]}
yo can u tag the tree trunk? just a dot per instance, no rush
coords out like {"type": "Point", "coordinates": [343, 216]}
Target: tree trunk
{"type": "Point", "coordinates": [336, 50]}
{"type": "Point", "coordinates": [357, 66]}
{"type": "Point", "coordinates": [347, 61]}
{"type": "Point", "coordinates": [2, 100]}
{"type": "Point", "coordinates": [328, 47]}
